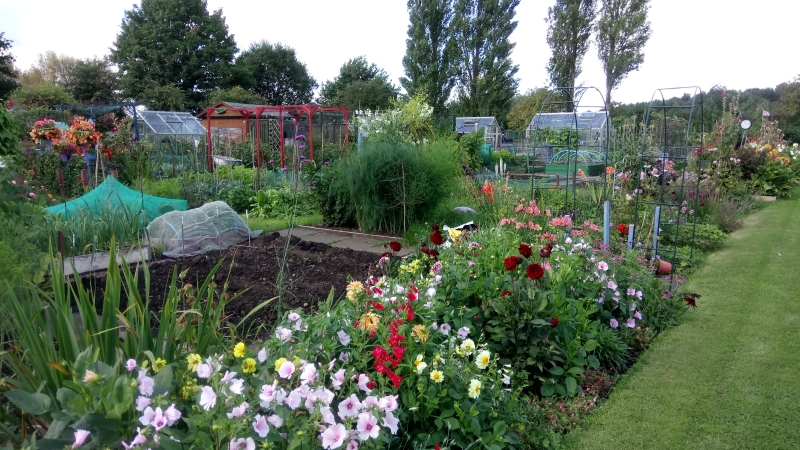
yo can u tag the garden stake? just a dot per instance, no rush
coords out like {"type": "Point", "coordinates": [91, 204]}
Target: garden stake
{"type": "Point", "coordinates": [62, 245]}
{"type": "Point", "coordinates": [60, 178]}
{"type": "Point", "coordinates": [631, 227]}
{"type": "Point", "coordinates": [656, 222]}
{"type": "Point", "coordinates": [606, 222]}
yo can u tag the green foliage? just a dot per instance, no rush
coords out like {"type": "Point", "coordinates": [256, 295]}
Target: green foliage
{"type": "Point", "coordinates": [568, 32]}
{"type": "Point", "coordinates": [487, 74]}
{"type": "Point", "coordinates": [8, 74]}
{"type": "Point", "coordinates": [41, 96]}
{"type": "Point", "coordinates": [359, 85]}
{"type": "Point", "coordinates": [9, 143]}
{"type": "Point", "coordinates": [45, 165]}
{"type": "Point", "coordinates": [333, 195]}
{"type": "Point", "coordinates": [622, 32]}
{"type": "Point", "coordinates": [775, 178]}
{"type": "Point", "coordinates": [409, 121]}
{"type": "Point", "coordinates": [469, 145]}
{"type": "Point", "coordinates": [92, 80]}
{"type": "Point", "coordinates": [430, 61]}
{"type": "Point", "coordinates": [611, 351]}
{"type": "Point", "coordinates": [503, 154]}
{"type": "Point", "coordinates": [274, 73]}
{"type": "Point", "coordinates": [158, 33]}
{"type": "Point", "coordinates": [164, 98]}
{"type": "Point", "coordinates": [707, 237]}
{"type": "Point", "coordinates": [165, 187]}
{"type": "Point", "coordinates": [236, 94]}
{"type": "Point", "coordinates": [524, 107]}
{"type": "Point", "coordinates": [281, 203]}
{"type": "Point", "coordinates": [24, 118]}
{"type": "Point", "coordinates": [92, 232]}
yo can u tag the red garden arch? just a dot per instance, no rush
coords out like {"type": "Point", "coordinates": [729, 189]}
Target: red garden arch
{"type": "Point", "coordinates": [293, 111]}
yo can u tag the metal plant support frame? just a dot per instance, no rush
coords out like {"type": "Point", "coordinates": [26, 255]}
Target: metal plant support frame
{"type": "Point", "coordinates": [574, 150]}
{"type": "Point", "coordinates": [676, 148]}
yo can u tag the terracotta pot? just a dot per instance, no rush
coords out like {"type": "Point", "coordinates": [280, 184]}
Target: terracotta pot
{"type": "Point", "coordinates": [664, 267]}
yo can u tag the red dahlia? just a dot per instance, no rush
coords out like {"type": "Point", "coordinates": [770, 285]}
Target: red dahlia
{"type": "Point", "coordinates": [554, 322]}
{"type": "Point", "coordinates": [534, 271]}
{"type": "Point", "coordinates": [395, 246]}
{"type": "Point", "coordinates": [437, 238]}
{"type": "Point", "coordinates": [512, 262]}
{"type": "Point", "coordinates": [525, 250]}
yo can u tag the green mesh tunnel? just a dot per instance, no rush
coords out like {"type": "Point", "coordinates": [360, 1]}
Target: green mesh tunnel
{"type": "Point", "coordinates": [113, 194]}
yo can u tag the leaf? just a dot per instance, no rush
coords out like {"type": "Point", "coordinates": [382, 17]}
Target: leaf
{"type": "Point", "coordinates": [575, 370]}
{"type": "Point", "coordinates": [593, 361]}
{"type": "Point", "coordinates": [475, 426]}
{"type": "Point", "coordinates": [590, 345]}
{"type": "Point", "coordinates": [447, 413]}
{"type": "Point", "coordinates": [163, 381]}
{"type": "Point", "coordinates": [64, 395]}
{"type": "Point", "coordinates": [547, 389]}
{"type": "Point", "coordinates": [572, 385]}
{"type": "Point", "coordinates": [452, 423]}
{"type": "Point", "coordinates": [57, 428]}
{"type": "Point", "coordinates": [36, 404]}
{"type": "Point", "coordinates": [438, 423]}
{"type": "Point", "coordinates": [557, 371]}
{"type": "Point", "coordinates": [59, 368]}
{"type": "Point", "coordinates": [500, 428]}
{"type": "Point", "coordinates": [455, 394]}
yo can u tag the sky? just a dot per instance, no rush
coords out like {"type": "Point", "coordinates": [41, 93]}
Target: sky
{"type": "Point", "coordinates": [701, 43]}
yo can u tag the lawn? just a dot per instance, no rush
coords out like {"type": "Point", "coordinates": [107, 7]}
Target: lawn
{"type": "Point", "coordinates": [729, 376]}
{"type": "Point", "coordinates": [269, 225]}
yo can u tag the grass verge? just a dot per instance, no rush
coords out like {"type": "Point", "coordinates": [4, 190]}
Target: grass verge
{"type": "Point", "coordinates": [729, 377]}
{"type": "Point", "coordinates": [270, 225]}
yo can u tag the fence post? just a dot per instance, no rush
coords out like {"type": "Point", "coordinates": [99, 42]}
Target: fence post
{"type": "Point", "coordinates": [60, 178]}
{"type": "Point", "coordinates": [656, 223]}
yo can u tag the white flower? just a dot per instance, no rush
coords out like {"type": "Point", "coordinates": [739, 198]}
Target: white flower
{"type": "Point", "coordinates": [483, 358]}
{"type": "Point", "coordinates": [238, 411]}
{"type": "Point", "coordinates": [362, 383]}
{"type": "Point", "coordinates": [463, 332]}
{"type": "Point", "coordinates": [309, 374]}
{"type": "Point", "coordinates": [294, 316]}
{"type": "Point", "coordinates": [228, 376]}
{"type": "Point", "coordinates": [293, 400]}
{"type": "Point", "coordinates": [367, 426]}
{"type": "Point", "coordinates": [172, 414]}
{"type": "Point", "coordinates": [146, 383]}
{"type": "Point", "coordinates": [474, 388]}
{"type": "Point", "coordinates": [444, 329]}
{"type": "Point", "coordinates": [284, 334]}
{"type": "Point", "coordinates": [421, 367]}
{"type": "Point", "coordinates": [260, 426]}
{"type": "Point", "coordinates": [431, 292]}
{"type": "Point", "coordinates": [80, 438]}
{"type": "Point", "coordinates": [286, 369]}
{"type": "Point", "coordinates": [468, 346]}
{"type": "Point", "coordinates": [333, 437]}
{"type": "Point", "coordinates": [208, 398]}
{"type": "Point", "coordinates": [203, 370]}
{"type": "Point", "coordinates": [262, 355]}
{"type": "Point", "coordinates": [236, 386]}
{"type": "Point", "coordinates": [391, 422]}
{"type": "Point", "coordinates": [344, 338]}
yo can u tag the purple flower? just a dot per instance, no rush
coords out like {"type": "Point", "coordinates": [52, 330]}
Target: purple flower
{"type": "Point", "coordinates": [631, 323]}
{"type": "Point", "coordinates": [271, 161]}
{"type": "Point", "coordinates": [327, 163]}
{"type": "Point", "coordinates": [302, 147]}
{"type": "Point", "coordinates": [285, 169]}
{"type": "Point", "coordinates": [300, 137]}
{"type": "Point", "coordinates": [614, 324]}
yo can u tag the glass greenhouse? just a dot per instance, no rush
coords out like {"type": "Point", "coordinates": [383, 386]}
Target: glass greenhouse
{"type": "Point", "coordinates": [492, 133]}
{"type": "Point", "coordinates": [178, 140]}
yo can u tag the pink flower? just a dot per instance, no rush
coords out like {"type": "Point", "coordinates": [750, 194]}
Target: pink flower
{"type": "Point", "coordinates": [367, 426]}
{"type": "Point", "coordinates": [146, 383]}
{"type": "Point", "coordinates": [238, 411]}
{"type": "Point", "coordinates": [139, 440]}
{"type": "Point", "coordinates": [352, 445]}
{"type": "Point", "coordinates": [337, 379]}
{"type": "Point", "coordinates": [349, 407]}
{"type": "Point", "coordinates": [463, 332]}
{"type": "Point", "coordinates": [286, 369]}
{"type": "Point", "coordinates": [203, 370]}
{"type": "Point", "coordinates": [388, 403]}
{"type": "Point", "coordinates": [631, 292]}
{"type": "Point", "coordinates": [242, 443]}
{"type": "Point", "coordinates": [293, 400]}
{"type": "Point", "coordinates": [294, 316]}
{"type": "Point", "coordinates": [327, 415]}
{"type": "Point", "coordinates": [275, 420]}
{"type": "Point", "coordinates": [612, 285]}
{"type": "Point", "coordinates": [344, 338]}
{"type": "Point", "coordinates": [32, 195]}
{"type": "Point", "coordinates": [638, 315]}
{"type": "Point", "coordinates": [334, 436]}
{"type": "Point", "coordinates": [639, 295]}
{"type": "Point", "coordinates": [391, 422]}
{"type": "Point", "coordinates": [227, 377]}
{"type": "Point", "coordinates": [445, 329]}
{"type": "Point", "coordinates": [614, 324]}
{"type": "Point", "coordinates": [208, 398]}
{"type": "Point", "coordinates": [236, 386]}
{"type": "Point", "coordinates": [602, 265]}
{"type": "Point", "coordinates": [309, 374]}
{"type": "Point", "coordinates": [142, 403]}
{"type": "Point", "coordinates": [284, 334]}
{"type": "Point", "coordinates": [130, 365]}
{"type": "Point", "coordinates": [362, 383]}
{"type": "Point", "coordinates": [260, 426]}
{"type": "Point", "coordinates": [631, 323]}
{"type": "Point", "coordinates": [80, 438]}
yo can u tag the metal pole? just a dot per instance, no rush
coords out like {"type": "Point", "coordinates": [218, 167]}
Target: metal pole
{"type": "Point", "coordinates": [606, 222]}
{"type": "Point", "coordinates": [631, 229]}
{"type": "Point", "coordinates": [656, 222]}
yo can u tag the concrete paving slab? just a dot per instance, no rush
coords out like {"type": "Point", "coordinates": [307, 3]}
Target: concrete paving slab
{"type": "Point", "coordinates": [100, 260]}
{"type": "Point", "coordinates": [361, 242]}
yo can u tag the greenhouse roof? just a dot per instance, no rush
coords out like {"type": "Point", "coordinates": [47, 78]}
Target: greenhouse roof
{"type": "Point", "coordinates": [585, 120]}
{"type": "Point", "coordinates": [169, 122]}
{"type": "Point", "coordinates": [470, 124]}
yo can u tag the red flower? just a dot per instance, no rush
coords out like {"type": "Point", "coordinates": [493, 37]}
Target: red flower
{"type": "Point", "coordinates": [433, 253]}
{"type": "Point", "coordinates": [436, 237]}
{"type": "Point", "coordinates": [412, 296]}
{"type": "Point", "coordinates": [623, 230]}
{"type": "Point", "coordinates": [395, 246]}
{"type": "Point", "coordinates": [398, 352]}
{"type": "Point", "coordinates": [691, 300]}
{"type": "Point", "coordinates": [371, 385]}
{"type": "Point", "coordinates": [355, 325]}
{"type": "Point", "coordinates": [435, 227]}
{"type": "Point", "coordinates": [554, 322]}
{"type": "Point", "coordinates": [512, 262]}
{"type": "Point", "coordinates": [377, 305]}
{"type": "Point", "coordinates": [525, 250]}
{"type": "Point", "coordinates": [437, 447]}
{"type": "Point", "coordinates": [386, 254]}
{"type": "Point", "coordinates": [504, 293]}
{"type": "Point", "coordinates": [534, 271]}
{"type": "Point", "coordinates": [545, 251]}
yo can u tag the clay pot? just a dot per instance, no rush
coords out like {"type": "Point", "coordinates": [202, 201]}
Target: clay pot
{"type": "Point", "coordinates": [663, 268]}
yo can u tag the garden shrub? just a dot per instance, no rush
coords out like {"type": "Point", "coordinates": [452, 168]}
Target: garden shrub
{"type": "Point", "coordinates": [611, 351]}
{"type": "Point", "coordinates": [333, 196]}
{"type": "Point", "coordinates": [707, 237]}
{"type": "Point", "coordinates": [165, 187]}
{"type": "Point", "coordinates": [775, 178]}
{"type": "Point", "coordinates": [46, 164]}
{"type": "Point", "coordinates": [469, 145]}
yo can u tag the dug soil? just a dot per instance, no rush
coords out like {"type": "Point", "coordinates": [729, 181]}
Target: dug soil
{"type": "Point", "coordinates": [311, 269]}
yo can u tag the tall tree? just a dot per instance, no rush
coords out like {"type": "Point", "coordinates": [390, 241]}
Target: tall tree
{"type": "Point", "coordinates": [275, 73]}
{"type": "Point", "coordinates": [8, 74]}
{"type": "Point", "coordinates": [359, 85]}
{"type": "Point", "coordinates": [570, 27]}
{"type": "Point", "coordinates": [173, 43]}
{"type": "Point", "coordinates": [487, 80]}
{"type": "Point", "coordinates": [524, 107]}
{"type": "Point", "coordinates": [50, 68]}
{"type": "Point", "coordinates": [430, 52]}
{"type": "Point", "coordinates": [92, 80]}
{"type": "Point", "coordinates": [622, 32]}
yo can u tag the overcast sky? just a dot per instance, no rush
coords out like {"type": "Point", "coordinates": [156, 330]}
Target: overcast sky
{"type": "Point", "coordinates": [695, 42]}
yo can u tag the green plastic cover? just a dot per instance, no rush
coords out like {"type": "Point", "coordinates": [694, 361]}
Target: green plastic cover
{"type": "Point", "coordinates": [113, 194]}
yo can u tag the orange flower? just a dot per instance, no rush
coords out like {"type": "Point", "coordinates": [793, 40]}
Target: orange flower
{"type": "Point", "coordinates": [488, 191]}
{"type": "Point", "coordinates": [581, 173]}
{"type": "Point", "coordinates": [609, 170]}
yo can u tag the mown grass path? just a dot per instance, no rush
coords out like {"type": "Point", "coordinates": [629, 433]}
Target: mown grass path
{"type": "Point", "coordinates": [729, 376]}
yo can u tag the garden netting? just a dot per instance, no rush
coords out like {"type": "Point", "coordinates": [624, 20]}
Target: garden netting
{"type": "Point", "coordinates": [213, 226]}
{"type": "Point", "coordinates": [113, 195]}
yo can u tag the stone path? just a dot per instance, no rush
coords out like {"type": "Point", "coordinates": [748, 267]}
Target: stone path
{"type": "Point", "coordinates": [345, 239]}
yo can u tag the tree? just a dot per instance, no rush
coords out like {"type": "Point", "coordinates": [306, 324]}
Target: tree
{"type": "Point", "coordinates": [568, 32]}
{"type": "Point", "coordinates": [787, 109]}
{"type": "Point", "coordinates": [622, 32]}
{"type": "Point", "coordinates": [236, 94]}
{"type": "Point", "coordinates": [92, 80]}
{"type": "Point", "coordinates": [430, 51]}
{"type": "Point", "coordinates": [486, 72]}
{"type": "Point", "coordinates": [275, 73]}
{"type": "Point", "coordinates": [164, 98]}
{"type": "Point", "coordinates": [166, 43]}
{"type": "Point", "coordinates": [50, 68]}
{"type": "Point", "coordinates": [526, 106]}
{"type": "Point", "coordinates": [43, 95]}
{"type": "Point", "coordinates": [8, 74]}
{"type": "Point", "coordinates": [359, 85]}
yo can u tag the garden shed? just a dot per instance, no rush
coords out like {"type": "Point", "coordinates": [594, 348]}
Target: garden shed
{"type": "Point", "coordinates": [492, 132]}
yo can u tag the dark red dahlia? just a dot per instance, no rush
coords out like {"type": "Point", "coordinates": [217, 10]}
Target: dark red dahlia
{"type": "Point", "coordinates": [512, 262]}
{"type": "Point", "coordinates": [395, 246]}
{"type": "Point", "coordinates": [553, 322]}
{"type": "Point", "coordinates": [437, 238]}
{"type": "Point", "coordinates": [534, 271]}
{"type": "Point", "coordinates": [525, 250]}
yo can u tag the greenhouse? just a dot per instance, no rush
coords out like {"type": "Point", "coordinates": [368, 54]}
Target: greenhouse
{"type": "Point", "coordinates": [492, 133]}
{"type": "Point", "coordinates": [550, 128]}
{"type": "Point", "coordinates": [178, 140]}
